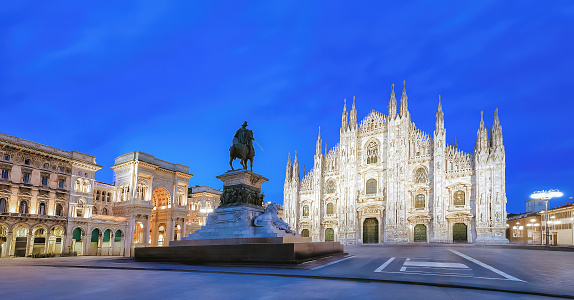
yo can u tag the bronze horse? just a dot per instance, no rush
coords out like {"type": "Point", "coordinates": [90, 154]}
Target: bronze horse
{"type": "Point", "coordinates": [242, 152]}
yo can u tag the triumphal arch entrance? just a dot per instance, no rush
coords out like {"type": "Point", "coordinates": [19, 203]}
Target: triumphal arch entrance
{"type": "Point", "coordinates": [152, 196]}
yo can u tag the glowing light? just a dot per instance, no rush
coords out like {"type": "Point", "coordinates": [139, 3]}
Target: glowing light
{"type": "Point", "coordinates": [532, 220]}
{"type": "Point", "coordinates": [546, 195]}
{"type": "Point", "coordinates": [521, 227]}
{"type": "Point", "coordinates": [141, 225]}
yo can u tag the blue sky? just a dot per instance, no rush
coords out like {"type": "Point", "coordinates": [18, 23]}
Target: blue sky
{"type": "Point", "coordinates": [176, 78]}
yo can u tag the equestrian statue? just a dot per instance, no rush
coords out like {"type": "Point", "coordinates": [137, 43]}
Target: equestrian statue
{"type": "Point", "coordinates": [242, 147]}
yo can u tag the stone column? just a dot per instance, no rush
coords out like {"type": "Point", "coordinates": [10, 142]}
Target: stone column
{"type": "Point", "coordinates": [47, 243]}
{"type": "Point", "coordinates": [183, 228]}
{"type": "Point", "coordinates": [147, 229]}
{"type": "Point", "coordinates": [169, 231]}
{"type": "Point", "coordinates": [29, 244]}
{"type": "Point", "coordinates": [86, 243]}
{"type": "Point", "coordinates": [111, 248]}
{"type": "Point", "coordinates": [9, 243]}
{"type": "Point", "coordinates": [100, 243]}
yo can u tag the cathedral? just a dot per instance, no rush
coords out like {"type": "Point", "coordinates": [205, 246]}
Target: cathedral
{"type": "Point", "coordinates": [386, 181]}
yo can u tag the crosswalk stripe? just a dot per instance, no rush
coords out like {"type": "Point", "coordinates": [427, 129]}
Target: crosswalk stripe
{"type": "Point", "coordinates": [379, 269]}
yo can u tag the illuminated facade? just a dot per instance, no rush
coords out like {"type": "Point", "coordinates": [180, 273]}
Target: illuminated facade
{"type": "Point", "coordinates": [202, 201]}
{"type": "Point", "coordinates": [386, 181]}
{"type": "Point", "coordinates": [51, 204]}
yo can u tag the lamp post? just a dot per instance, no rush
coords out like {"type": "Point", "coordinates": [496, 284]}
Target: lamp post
{"type": "Point", "coordinates": [546, 196]}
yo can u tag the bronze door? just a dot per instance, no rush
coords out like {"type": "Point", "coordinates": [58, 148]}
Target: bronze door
{"type": "Point", "coordinates": [370, 231]}
{"type": "Point", "coordinates": [459, 234]}
{"type": "Point", "coordinates": [420, 233]}
{"type": "Point", "coordinates": [329, 235]}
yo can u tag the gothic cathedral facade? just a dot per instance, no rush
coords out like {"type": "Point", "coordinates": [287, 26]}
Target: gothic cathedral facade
{"type": "Point", "coordinates": [386, 181]}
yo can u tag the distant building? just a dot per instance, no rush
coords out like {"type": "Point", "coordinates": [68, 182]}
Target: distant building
{"type": "Point", "coordinates": [535, 205]}
{"type": "Point", "coordinates": [202, 200]}
{"type": "Point", "coordinates": [560, 223]}
{"type": "Point", "coordinates": [525, 229]}
{"type": "Point", "coordinates": [386, 181]}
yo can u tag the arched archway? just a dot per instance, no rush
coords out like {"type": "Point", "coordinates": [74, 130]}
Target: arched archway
{"type": "Point", "coordinates": [95, 241]}
{"type": "Point", "coordinates": [78, 241]}
{"type": "Point", "coordinates": [459, 233]}
{"type": "Point", "coordinates": [55, 242]}
{"type": "Point", "coordinates": [21, 240]}
{"type": "Point", "coordinates": [420, 233]}
{"type": "Point", "coordinates": [305, 233]}
{"type": "Point", "coordinates": [118, 242]}
{"type": "Point", "coordinates": [107, 243]}
{"type": "Point", "coordinates": [370, 231]}
{"type": "Point", "coordinates": [159, 232]}
{"type": "Point", "coordinates": [39, 242]}
{"type": "Point", "coordinates": [329, 235]}
{"type": "Point", "coordinates": [3, 237]}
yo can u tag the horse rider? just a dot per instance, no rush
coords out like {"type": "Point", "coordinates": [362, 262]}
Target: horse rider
{"type": "Point", "coordinates": [244, 136]}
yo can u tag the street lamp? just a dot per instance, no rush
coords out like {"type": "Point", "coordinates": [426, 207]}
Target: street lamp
{"type": "Point", "coordinates": [546, 196]}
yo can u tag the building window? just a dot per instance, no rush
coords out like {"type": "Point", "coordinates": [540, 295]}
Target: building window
{"type": "Point", "coordinates": [61, 183]}
{"type": "Point", "coordinates": [105, 211]}
{"type": "Point", "coordinates": [330, 208]}
{"type": "Point", "coordinates": [23, 207]}
{"type": "Point", "coordinates": [421, 175]}
{"type": "Point", "coordinates": [26, 178]}
{"type": "Point", "coordinates": [46, 165]}
{"type": "Point", "coordinates": [7, 157]}
{"type": "Point", "coordinates": [27, 161]}
{"type": "Point", "coordinates": [44, 180]}
{"type": "Point", "coordinates": [59, 209]}
{"type": "Point", "coordinates": [372, 152]}
{"type": "Point", "coordinates": [331, 186]}
{"type": "Point", "coordinates": [108, 197]}
{"type": "Point", "coordinates": [42, 209]}
{"type": "Point", "coordinates": [97, 195]}
{"type": "Point", "coordinates": [459, 198]}
{"type": "Point", "coordinates": [420, 201]}
{"type": "Point", "coordinates": [79, 212]}
{"type": "Point", "coordinates": [4, 174]}
{"type": "Point", "coordinates": [3, 205]}
{"type": "Point", "coordinates": [305, 210]}
{"type": "Point", "coordinates": [94, 211]}
{"type": "Point", "coordinates": [371, 186]}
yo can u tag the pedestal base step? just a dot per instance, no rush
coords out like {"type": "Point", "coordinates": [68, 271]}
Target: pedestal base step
{"type": "Point", "coordinates": [252, 253]}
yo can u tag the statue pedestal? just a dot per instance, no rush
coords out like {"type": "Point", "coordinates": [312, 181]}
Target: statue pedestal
{"type": "Point", "coordinates": [240, 230]}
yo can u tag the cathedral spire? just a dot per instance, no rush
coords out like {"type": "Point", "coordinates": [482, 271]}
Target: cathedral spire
{"type": "Point", "coordinates": [296, 168]}
{"type": "Point", "coordinates": [496, 132]}
{"type": "Point", "coordinates": [353, 117]}
{"type": "Point", "coordinates": [344, 118]}
{"type": "Point", "coordinates": [289, 170]}
{"type": "Point", "coordinates": [392, 104]}
{"type": "Point", "coordinates": [404, 102]}
{"type": "Point", "coordinates": [482, 143]}
{"type": "Point", "coordinates": [439, 124]}
{"type": "Point", "coordinates": [319, 143]}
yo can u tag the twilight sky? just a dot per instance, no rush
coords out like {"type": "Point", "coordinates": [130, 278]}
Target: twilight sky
{"type": "Point", "coordinates": [176, 78]}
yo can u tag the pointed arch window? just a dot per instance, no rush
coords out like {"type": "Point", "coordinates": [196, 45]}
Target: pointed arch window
{"type": "Point", "coordinates": [421, 175]}
{"type": "Point", "coordinates": [459, 198]}
{"type": "Point", "coordinates": [371, 187]}
{"type": "Point", "coordinates": [105, 211]}
{"type": "Point", "coordinates": [372, 152]}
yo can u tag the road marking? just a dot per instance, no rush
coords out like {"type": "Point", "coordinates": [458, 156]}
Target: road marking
{"type": "Point", "coordinates": [433, 264]}
{"type": "Point", "coordinates": [443, 274]}
{"type": "Point", "coordinates": [486, 266]}
{"type": "Point", "coordinates": [331, 263]}
{"type": "Point", "coordinates": [379, 269]}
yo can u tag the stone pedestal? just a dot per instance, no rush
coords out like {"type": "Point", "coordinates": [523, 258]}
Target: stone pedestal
{"type": "Point", "coordinates": [240, 230]}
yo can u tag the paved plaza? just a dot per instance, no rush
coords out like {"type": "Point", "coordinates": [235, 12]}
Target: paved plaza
{"type": "Point", "coordinates": [369, 272]}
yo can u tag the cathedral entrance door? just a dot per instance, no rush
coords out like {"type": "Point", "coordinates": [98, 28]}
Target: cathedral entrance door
{"type": "Point", "coordinates": [459, 234]}
{"type": "Point", "coordinates": [420, 233]}
{"type": "Point", "coordinates": [371, 231]}
{"type": "Point", "coordinates": [329, 235]}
